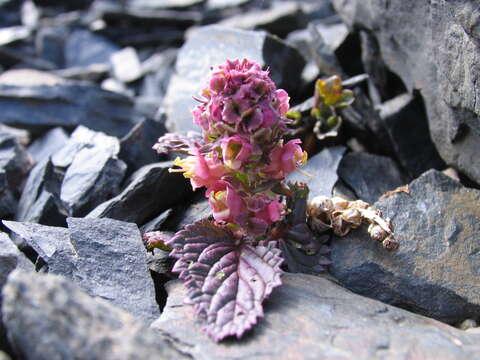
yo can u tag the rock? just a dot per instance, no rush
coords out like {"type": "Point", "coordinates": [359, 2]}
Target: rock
{"type": "Point", "coordinates": [311, 317]}
{"type": "Point", "coordinates": [222, 4]}
{"type": "Point", "coordinates": [15, 162]}
{"type": "Point", "coordinates": [94, 175]}
{"type": "Point", "coordinates": [8, 201]}
{"type": "Point", "coordinates": [48, 144]}
{"type": "Point", "coordinates": [126, 65]}
{"type": "Point", "coordinates": [83, 48]}
{"type": "Point", "coordinates": [136, 147]}
{"type": "Point", "coordinates": [48, 317]}
{"type": "Point", "coordinates": [111, 263]}
{"type": "Point", "coordinates": [323, 170]}
{"type": "Point", "coordinates": [370, 176]}
{"type": "Point", "coordinates": [4, 356]}
{"type": "Point", "coordinates": [12, 34]}
{"type": "Point", "coordinates": [282, 18]}
{"type": "Point", "coordinates": [156, 222]}
{"type": "Point", "coordinates": [51, 243]}
{"type": "Point", "coordinates": [115, 14]}
{"type": "Point", "coordinates": [433, 48]}
{"type": "Point", "coordinates": [40, 199]}
{"type": "Point", "coordinates": [10, 259]}
{"type": "Point", "coordinates": [158, 70]}
{"type": "Point", "coordinates": [160, 262]}
{"type": "Point", "coordinates": [216, 44]}
{"type": "Point", "coordinates": [50, 44]}
{"type": "Point", "coordinates": [434, 271]}
{"type": "Point", "coordinates": [105, 257]}
{"type": "Point", "coordinates": [414, 149]}
{"type": "Point", "coordinates": [22, 136]}
{"type": "Point", "coordinates": [162, 4]}
{"type": "Point", "coordinates": [151, 190]}
{"type": "Point", "coordinates": [185, 214]}
{"type": "Point", "coordinates": [37, 101]}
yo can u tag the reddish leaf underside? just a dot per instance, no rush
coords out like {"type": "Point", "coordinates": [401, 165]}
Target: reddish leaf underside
{"type": "Point", "coordinates": [227, 279]}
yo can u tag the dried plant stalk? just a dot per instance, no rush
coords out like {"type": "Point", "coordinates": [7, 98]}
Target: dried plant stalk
{"type": "Point", "coordinates": [341, 215]}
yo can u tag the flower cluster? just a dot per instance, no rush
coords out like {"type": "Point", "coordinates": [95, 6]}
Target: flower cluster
{"type": "Point", "coordinates": [242, 116]}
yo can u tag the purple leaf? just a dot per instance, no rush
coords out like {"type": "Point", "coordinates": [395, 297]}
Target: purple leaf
{"type": "Point", "coordinates": [227, 278]}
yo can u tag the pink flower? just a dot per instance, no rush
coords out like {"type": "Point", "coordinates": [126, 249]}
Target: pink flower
{"type": "Point", "coordinates": [283, 98]}
{"type": "Point", "coordinates": [201, 170]}
{"type": "Point", "coordinates": [285, 159]}
{"type": "Point", "coordinates": [226, 204]}
{"type": "Point", "coordinates": [235, 151]}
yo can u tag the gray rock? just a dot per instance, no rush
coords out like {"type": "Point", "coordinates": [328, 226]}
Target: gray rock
{"type": "Point", "coordinates": [311, 317]}
{"type": "Point", "coordinates": [222, 4]}
{"type": "Point", "coordinates": [51, 243]}
{"type": "Point", "coordinates": [406, 123]}
{"type": "Point", "coordinates": [370, 176]}
{"type": "Point", "coordinates": [323, 170]}
{"type": "Point", "coordinates": [10, 259]}
{"type": "Point", "coordinates": [15, 162]}
{"type": "Point", "coordinates": [216, 44]}
{"type": "Point", "coordinates": [280, 19]}
{"type": "Point", "coordinates": [84, 48]}
{"type": "Point", "coordinates": [40, 199]}
{"type": "Point", "coordinates": [38, 101]}
{"type": "Point", "coordinates": [136, 147]}
{"type": "Point", "coordinates": [22, 136]}
{"type": "Point", "coordinates": [111, 263]}
{"type": "Point", "coordinates": [156, 222]}
{"type": "Point", "coordinates": [435, 270]}
{"type": "Point", "coordinates": [48, 144]}
{"type": "Point", "coordinates": [48, 317]}
{"type": "Point", "coordinates": [126, 65]}
{"type": "Point", "coordinates": [162, 4]}
{"type": "Point", "coordinates": [50, 43]}
{"type": "Point", "coordinates": [94, 174]}
{"type": "Point", "coordinates": [151, 190]}
{"type": "Point", "coordinates": [185, 214]}
{"type": "Point", "coordinates": [433, 48]}
{"type": "Point", "coordinates": [8, 200]}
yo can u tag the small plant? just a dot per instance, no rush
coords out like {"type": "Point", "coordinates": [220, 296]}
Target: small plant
{"type": "Point", "coordinates": [329, 98]}
{"type": "Point", "coordinates": [231, 263]}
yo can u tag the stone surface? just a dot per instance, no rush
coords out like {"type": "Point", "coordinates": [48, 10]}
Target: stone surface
{"type": "Point", "coordinates": [94, 173]}
{"type": "Point", "coordinates": [162, 4]}
{"type": "Point", "coordinates": [15, 162]}
{"type": "Point", "coordinates": [105, 257]}
{"type": "Point", "coordinates": [433, 47]}
{"type": "Point", "coordinates": [311, 317]}
{"type": "Point", "coordinates": [37, 101]}
{"type": "Point", "coordinates": [435, 270]}
{"type": "Point", "coordinates": [51, 243]}
{"type": "Point", "coordinates": [280, 19]}
{"type": "Point", "coordinates": [48, 318]}
{"type": "Point", "coordinates": [216, 44]}
{"type": "Point", "coordinates": [136, 147]}
{"type": "Point", "coordinates": [111, 263]}
{"type": "Point", "coordinates": [370, 176]}
{"type": "Point", "coordinates": [84, 48]}
{"type": "Point", "coordinates": [48, 144]}
{"type": "Point", "coordinates": [323, 170]}
{"type": "Point", "coordinates": [414, 149]}
{"type": "Point", "coordinates": [126, 65]}
{"type": "Point", "coordinates": [151, 190]}
{"type": "Point", "coordinates": [184, 214]}
{"type": "Point", "coordinates": [40, 199]}
{"type": "Point", "coordinates": [10, 259]}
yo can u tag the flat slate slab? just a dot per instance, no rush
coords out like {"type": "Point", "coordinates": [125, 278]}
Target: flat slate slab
{"type": "Point", "coordinates": [311, 317]}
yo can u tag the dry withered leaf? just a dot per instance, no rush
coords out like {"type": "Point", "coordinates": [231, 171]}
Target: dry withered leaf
{"type": "Point", "coordinates": [403, 188]}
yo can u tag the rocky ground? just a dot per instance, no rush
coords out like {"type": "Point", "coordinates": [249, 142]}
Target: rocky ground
{"type": "Point", "coordinates": [86, 88]}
